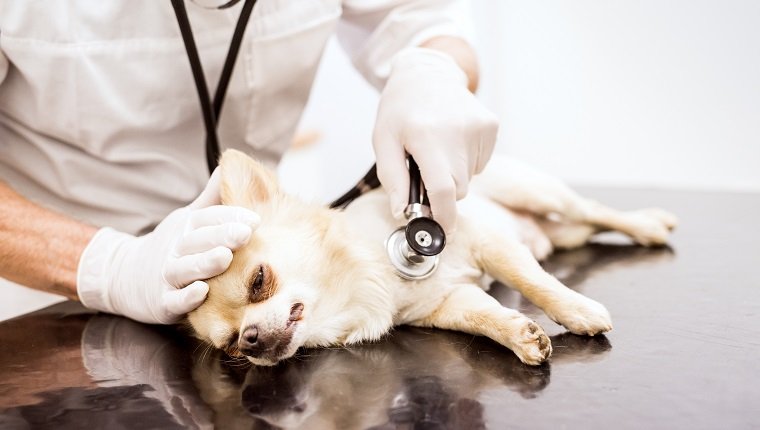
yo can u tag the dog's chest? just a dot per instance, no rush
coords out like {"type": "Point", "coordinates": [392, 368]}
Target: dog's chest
{"type": "Point", "coordinates": [369, 217]}
{"type": "Point", "coordinates": [414, 300]}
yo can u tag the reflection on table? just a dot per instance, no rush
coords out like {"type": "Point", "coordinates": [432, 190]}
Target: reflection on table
{"type": "Point", "coordinates": [70, 367]}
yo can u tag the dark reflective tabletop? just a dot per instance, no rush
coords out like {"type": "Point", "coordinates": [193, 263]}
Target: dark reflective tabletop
{"type": "Point", "coordinates": [684, 353]}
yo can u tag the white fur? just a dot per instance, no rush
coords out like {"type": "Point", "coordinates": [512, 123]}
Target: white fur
{"type": "Point", "coordinates": [335, 264]}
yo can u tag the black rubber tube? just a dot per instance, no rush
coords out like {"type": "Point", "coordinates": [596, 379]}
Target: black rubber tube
{"type": "Point", "coordinates": [232, 54]}
{"type": "Point", "coordinates": [414, 181]}
{"type": "Point", "coordinates": [209, 121]}
{"type": "Point", "coordinates": [368, 182]}
{"type": "Point", "coordinates": [211, 112]}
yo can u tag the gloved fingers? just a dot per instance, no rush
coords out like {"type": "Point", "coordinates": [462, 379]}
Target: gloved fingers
{"type": "Point", "coordinates": [195, 267]}
{"type": "Point", "coordinates": [442, 194]}
{"type": "Point", "coordinates": [441, 188]}
{"type": "Point", "coordinates": [210, 195]}
{"type": "Point", "coordinates": [392, 170]}
{"type": "Point", "coordinates": [231, 235]}
{"type": "Point", "coordinates": [183, 300]}
{"type": "Point", "coordinates": [217, 215]}
{"type": "Point", "coordinates": [461, 173]}
{"type": "Point", "coordinates": [488, 132]}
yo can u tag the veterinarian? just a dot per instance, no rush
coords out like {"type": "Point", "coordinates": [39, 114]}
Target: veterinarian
{"type": "Point", "coordinates": [104, 188]}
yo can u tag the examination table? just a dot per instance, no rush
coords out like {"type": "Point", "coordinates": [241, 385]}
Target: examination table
{"type": "Point", "coordinates": [684, 353]}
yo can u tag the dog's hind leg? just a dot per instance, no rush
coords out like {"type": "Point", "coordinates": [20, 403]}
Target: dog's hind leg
{"type": "Point", "coordinates": [568, 218]}
{"type": "Point", "coordinates": [648, 227]}
{"type": "Point", "coordinates": [566, 234]}
{"type": "Point", "coordinates": [513, 264]}
{"type": "Point", "coordinates": [471, 310]}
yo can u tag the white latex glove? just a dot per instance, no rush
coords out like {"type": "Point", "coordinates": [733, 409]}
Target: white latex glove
{"type": "Point", "coordinates": [427, 111]}
{"type": "Point", "coordinates": [158, 278]}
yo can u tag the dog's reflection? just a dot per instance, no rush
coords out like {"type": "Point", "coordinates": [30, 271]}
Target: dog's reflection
{"type": "Point", "coordinates": [574, 267]}
{"type": "Point", "coordinates": [413, 379]}
{"type": "Point", "coordinates": [281, 393]}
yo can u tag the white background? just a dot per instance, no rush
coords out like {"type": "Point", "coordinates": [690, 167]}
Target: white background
{"type": "Point", "coordinates": [662, 94]}
{"type": "Point", "coordinates": [641, 93]}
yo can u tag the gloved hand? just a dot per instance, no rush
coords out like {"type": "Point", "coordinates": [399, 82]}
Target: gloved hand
{"type": "Point", "coordinates": [427, 111]}
{"type": "Point", "coordinates": [158, 278]}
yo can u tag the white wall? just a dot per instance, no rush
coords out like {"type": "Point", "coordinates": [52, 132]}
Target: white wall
{"type": "Point", "coordinates": [628, 93]}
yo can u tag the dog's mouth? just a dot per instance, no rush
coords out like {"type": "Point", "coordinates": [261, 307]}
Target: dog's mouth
{"type": "Point", "coordinates": [267, 347]}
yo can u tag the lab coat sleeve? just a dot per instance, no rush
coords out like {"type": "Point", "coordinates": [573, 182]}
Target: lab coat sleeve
{"type": "Point", "coordinates": [372, 32]}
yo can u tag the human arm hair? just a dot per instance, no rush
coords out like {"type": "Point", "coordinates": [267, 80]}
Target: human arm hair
{"type": "Point", "coordinates": [40, 248]}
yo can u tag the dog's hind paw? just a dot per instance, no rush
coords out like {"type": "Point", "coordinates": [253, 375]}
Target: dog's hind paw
{"type": "Point", "coordinates": [651, 227]}
{"type": "Point", "coordinates": [530, 343]}
{"type": "Point", "coordinates": [669, 220]}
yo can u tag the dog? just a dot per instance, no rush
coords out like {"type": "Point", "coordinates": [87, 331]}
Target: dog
{"type": "Point", "coordinates": [315, 277]}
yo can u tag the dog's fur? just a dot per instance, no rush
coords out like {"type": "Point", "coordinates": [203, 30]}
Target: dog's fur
{"type": "Point", "coordinates": [315, 277]}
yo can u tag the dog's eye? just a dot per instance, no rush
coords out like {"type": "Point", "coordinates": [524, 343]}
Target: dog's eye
{"type": "Point", "coordinates": [262, 284]}
{"type": "Point", "coordinates": [258, 280]}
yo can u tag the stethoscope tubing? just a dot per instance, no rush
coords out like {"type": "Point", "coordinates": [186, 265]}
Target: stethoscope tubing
{"type": "Point", "coordinates": [211, 111]}
{"type": "Point", "coordinates": [433, 238]}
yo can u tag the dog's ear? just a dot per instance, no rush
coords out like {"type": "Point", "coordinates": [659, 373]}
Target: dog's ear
{"type": "Point", "coordinates": [245, 181]}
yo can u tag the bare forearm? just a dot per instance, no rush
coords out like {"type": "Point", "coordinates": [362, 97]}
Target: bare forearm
{"type": "Point", "coordinates": [40, 248]}
{"type": "Point", "coordinates": [462, 53]}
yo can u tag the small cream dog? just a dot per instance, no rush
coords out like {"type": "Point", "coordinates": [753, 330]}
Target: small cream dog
{"type": "Point", "coordinates": [315, 277]}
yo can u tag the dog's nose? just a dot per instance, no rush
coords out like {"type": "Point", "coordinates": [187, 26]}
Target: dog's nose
{"type": "Point", "coordinates": [248, 339]}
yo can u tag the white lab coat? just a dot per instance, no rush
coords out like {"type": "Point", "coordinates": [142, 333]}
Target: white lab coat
{"type": "Point", "coordinates": [99, 117]}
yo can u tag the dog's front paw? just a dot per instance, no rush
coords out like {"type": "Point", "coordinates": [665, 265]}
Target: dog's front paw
{"type": "Point", "coordinates": [529, 342]}
{"type": "Point", "coordinates": [581, 315]}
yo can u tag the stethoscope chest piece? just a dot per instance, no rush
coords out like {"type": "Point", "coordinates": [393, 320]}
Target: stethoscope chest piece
{"type": "Point", "coordinates": [409, 264]}
{"type": "Point", "coordinates": [414, 249]}
{"type": "Point", "coordinates": [425, 236]}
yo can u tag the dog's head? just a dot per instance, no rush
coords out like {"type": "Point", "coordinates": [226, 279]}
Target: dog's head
{"type": "Point", "coordinates": [291, 285]}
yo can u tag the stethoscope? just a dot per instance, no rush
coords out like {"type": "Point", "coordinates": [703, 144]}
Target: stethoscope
{"type": "Point", "coordinates": [413, 249]}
